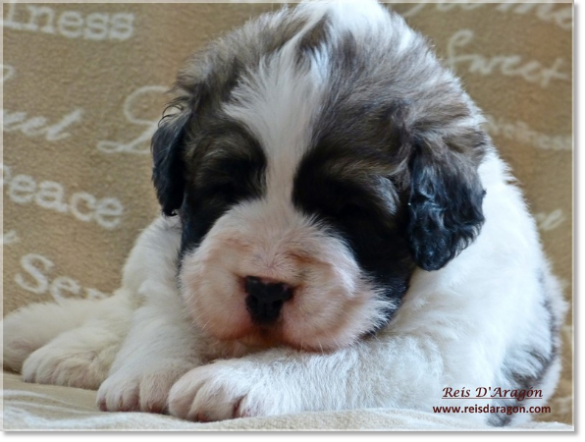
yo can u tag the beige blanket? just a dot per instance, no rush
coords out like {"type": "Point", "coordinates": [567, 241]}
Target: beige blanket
{"type": "Point", "coordinates": [83, 91]}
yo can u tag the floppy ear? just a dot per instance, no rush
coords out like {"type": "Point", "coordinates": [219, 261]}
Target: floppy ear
{"type": "Point", "coordinates": [167, 151]}
{"type": "Point", "coordinates": [445, 203]}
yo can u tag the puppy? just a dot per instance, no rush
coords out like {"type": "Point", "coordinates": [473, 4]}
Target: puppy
{"type": "Point", "coordinates": [338, 232]}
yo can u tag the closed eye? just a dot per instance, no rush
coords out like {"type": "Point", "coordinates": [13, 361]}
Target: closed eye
{"type": "Point", "coordinates": [230, 179]}
{"type": "Point", "coordinates": [350, 209]}
{"type": "Point", "coordinates": [353, 200]}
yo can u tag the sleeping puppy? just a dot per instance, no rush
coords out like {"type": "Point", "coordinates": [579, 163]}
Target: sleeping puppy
{"type": "Point", "coordinates": [338, 232]}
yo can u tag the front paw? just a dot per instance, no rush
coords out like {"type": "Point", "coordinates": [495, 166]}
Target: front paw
{"type": "Point", "coordinates": [140, 388]}
{"type": "Point", "coordinates": [62, 365]}
{"type": "Point", "coordinates": [226, 390]}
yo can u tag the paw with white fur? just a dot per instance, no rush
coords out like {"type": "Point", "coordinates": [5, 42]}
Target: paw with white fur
{"type": "Point", "coordinates": [68, 363]}
{"type": "Point", "coordinates": [228, 389]}
{"type": "Point", "coordinates": [141, 388]}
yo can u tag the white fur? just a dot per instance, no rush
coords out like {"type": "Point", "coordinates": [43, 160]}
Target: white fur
{"type": "Point", "coordinates": [149, 348]}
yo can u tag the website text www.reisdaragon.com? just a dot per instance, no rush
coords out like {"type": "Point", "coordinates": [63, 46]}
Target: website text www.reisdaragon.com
{"type": "Point", "coordinates": [491, 409]}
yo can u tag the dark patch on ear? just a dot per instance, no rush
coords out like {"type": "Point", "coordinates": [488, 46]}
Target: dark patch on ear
{"type": "Point", "coordinates": [168, 169]}
{"type": "Point", "coordinates": [445, 204]}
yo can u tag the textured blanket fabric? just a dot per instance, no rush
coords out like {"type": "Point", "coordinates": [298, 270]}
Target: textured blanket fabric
{"type": "Point", "coordinates": [84, 89]}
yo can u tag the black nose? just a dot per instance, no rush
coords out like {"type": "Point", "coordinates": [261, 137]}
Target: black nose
{"type": "Point", "coordinates": [265, 299]}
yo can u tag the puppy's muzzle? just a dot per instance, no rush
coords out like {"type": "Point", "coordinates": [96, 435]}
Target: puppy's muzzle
{"type": "Point", "coordinates": [265, 298]}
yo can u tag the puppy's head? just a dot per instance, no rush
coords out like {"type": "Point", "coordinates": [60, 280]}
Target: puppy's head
{"type": "Point", "coordinates": [317, 157]}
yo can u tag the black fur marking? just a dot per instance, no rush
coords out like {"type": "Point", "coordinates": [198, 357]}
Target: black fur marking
{"type": "Point", "coordinates": [445, 207]}
{"type": "Point", "coordinates": [226, 167]}
{"type": "Point", "coordinates": [168, 172]}
{"type": "Point", "coordinates": [358, 207]}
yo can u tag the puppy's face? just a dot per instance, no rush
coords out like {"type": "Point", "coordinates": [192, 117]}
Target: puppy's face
{"type": "Point", "coordinates": [318, 156]}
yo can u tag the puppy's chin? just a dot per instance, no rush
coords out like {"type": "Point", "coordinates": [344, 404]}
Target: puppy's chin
{"type": "Point", "coordinates": [331, 305]}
